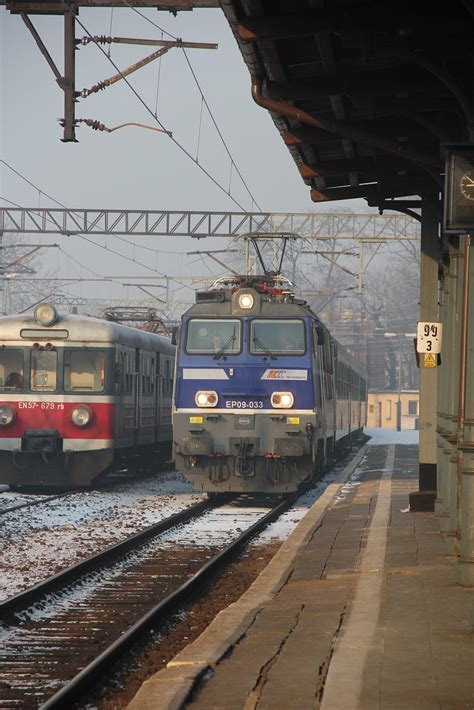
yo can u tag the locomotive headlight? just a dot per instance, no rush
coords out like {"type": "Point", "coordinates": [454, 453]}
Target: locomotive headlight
{"type": "Point", "coordinates": [7, 415]}
{"type": "Point", "coordinates": [282, 400]}
{"type": "Point", "coordinates": [82, 415]}
{"type": "Point", "coordinates": [45, 314]}
{"type": "Point", "coordinates": [206, 398]}
{"type": "Point", "coordinates": [246, 301]}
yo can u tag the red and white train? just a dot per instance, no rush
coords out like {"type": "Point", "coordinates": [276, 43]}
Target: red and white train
{"type": "Point", "coordinates": [78, 394]}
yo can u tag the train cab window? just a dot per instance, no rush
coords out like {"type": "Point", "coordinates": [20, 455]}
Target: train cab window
{"type": "Point", "coordinates": [212, 336]}
{"type": "Point", "coordinates": [285, 337]}
{"type": "Point", "coordinates": [11, 369]}
{"type": "Point", "coordinates": [44, 365]}
{"type": "Point", "coordinates": [84, 370]}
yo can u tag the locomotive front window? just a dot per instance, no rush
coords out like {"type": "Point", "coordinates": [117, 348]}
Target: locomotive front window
{"type": "Point", "coordinates": [44, 365]}
{"type": "Point", "coordinates": [213, 336]}
{"type": "Point", "coordinates": [84, 370]}
{"type": "Point", "coordinates": [285, 337]}
{"type": "Point", "coordinates": [11, 370]}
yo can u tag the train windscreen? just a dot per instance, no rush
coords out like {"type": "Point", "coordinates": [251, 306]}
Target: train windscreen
{"type": "Point", "coordinates": [44, 364]}
{"type": "Point", "coordinates": [84, 370]}
{"type": "Point", "coordinates": [277, 336]}
{"type": "Point", "coordinates": [11, 369]}
{"type": "Point", "coordinates": [212, 336]}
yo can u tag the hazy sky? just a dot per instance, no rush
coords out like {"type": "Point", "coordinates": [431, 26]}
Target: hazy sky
{"type": "Point", "coordinates": [135, 168]}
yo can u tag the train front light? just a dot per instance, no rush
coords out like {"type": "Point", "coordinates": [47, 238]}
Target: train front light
{"type": "Point", "coordinates": [45, 314]}
{"type": "Point", "coordinates": [82, 416]}
{"type": "Point", "coordinates": [246, 301]}
{"type": "Point", "coordinates": [206, 398]}
{"type": "Point", "coordinates": [7, 415]}
{"type": "Point", "coordinates": [282, 400]}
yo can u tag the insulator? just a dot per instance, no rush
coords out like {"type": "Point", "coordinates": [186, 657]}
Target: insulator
{"type": "Point", "coordinates": [94, 89]}
{"type": "Point", "coordinates": [98, 39]}
{"type": "Point", "coordinates": [96, 125]}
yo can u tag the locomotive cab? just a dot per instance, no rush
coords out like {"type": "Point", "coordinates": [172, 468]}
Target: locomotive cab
{"type": "Point", "coordinates": [78, 393]}
{"type": "Point", "coordinates": [255, 395]}
{"type": "Point", "coordinates": [247, 404]}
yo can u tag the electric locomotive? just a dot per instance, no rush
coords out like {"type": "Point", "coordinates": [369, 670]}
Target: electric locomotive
{"type": "Point", "coordinates": [78, 394]}
{"type": "Point", "coordinates": [263, 392]}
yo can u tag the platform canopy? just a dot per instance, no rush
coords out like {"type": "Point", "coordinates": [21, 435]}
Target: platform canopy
{"type": "Point", "coordinates": [362, 93]}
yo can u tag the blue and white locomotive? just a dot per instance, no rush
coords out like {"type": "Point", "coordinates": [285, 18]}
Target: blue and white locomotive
{"type": "Point", "coordinates": [263, 392]}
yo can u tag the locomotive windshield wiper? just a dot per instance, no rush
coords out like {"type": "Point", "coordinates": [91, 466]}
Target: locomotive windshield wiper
{"type": "Point", "coordinates": [229, 341]}
{"type": "Point", "coordinates": [256, 341]}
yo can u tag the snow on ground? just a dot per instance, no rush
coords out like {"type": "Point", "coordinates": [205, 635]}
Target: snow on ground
{"type": "Point", "coordinates": [42, 540]}
{"type": "Point", "coordinates": [39, 541]}
{"type": "Point", "coordinates": [280, 529]}
{"type": "Point", "coordinates": [391, 436]}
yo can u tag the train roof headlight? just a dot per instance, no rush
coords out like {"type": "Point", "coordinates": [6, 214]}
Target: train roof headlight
{"type": "Point", "coordinates": [282, 400]}
{"type": "Point", "coordinates": [46, 314]}
{"type": "Point", "coordinates": [7, 415]}
{"type": "Point", "coordinates": [206, 398]}
{"type": "Point", "coordinates": [246, 301]}
{"type": "Point", "coordinates": [82, 415]}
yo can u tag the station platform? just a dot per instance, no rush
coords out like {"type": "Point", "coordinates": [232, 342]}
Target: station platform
{"type": "Point", "coordinates": [360, 608]}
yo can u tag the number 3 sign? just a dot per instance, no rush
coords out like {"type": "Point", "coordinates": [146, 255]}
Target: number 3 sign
{"type": "Point", "coordinates": [429, 337]}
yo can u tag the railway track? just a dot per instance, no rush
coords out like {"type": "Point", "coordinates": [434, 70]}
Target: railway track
{"type": "Point", "coordinates": [60, 635]}
{"type": "Point", "coordinates": [40, 499]}
{"type": "Point", "coordinates": [35, 501]}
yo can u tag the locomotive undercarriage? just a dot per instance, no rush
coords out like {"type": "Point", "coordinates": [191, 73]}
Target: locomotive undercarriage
{"type": "Point", "coordinates": [220, 474]}
{"type": "Point", "coordinates": [248, 452]}
{"type": "Point", "coordinates": [44, 464]}
{"type": "Point", "coordinates": [53, 468]}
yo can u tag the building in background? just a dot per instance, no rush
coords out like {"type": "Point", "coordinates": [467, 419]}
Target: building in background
{"type": "Point", "coordinates": [383, 404]}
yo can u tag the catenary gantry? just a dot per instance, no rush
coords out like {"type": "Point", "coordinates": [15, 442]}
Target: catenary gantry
{"type": "Point", "coordinates": [365, 96]}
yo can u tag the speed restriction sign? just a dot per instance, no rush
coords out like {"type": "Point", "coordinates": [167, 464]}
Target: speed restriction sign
{"type": "Point", "coordinates": [429, 337]}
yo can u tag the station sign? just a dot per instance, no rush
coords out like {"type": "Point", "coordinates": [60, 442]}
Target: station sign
{"type": "Point", "coordinates": [428, 337]}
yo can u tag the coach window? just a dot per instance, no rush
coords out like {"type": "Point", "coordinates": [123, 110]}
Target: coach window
{"type": "Point", "coordinates": [84, 370]}
{"type": "Point", "coordinates": [285, 337]}
{"type": "Point", "coordinates": [43, 370]}
{"type": "Point", "coordinates": [152, 376]}
{"type": "Point", "coordinates": [11, 369]}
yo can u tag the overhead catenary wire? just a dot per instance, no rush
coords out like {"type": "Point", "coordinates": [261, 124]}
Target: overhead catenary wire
{"type": "Point", "coordinates": [203, 99]}
{"type": "Point", "coordinates": [150, 111]}
{"type": "Point", "coordinates": [61, 248]}
{"type": "Point", "coordinates": [81, 236]}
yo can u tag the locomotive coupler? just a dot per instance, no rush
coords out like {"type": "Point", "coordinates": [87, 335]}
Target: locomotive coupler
{"type": "Point", "coordinates": [245, 460]}
{"type": "Point", "coordinates": [41, 441]}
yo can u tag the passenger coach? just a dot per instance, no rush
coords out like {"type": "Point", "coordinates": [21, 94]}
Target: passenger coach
{"type": "Point", "coordinates": [264, 394]}
{"type": "Point", "coordinates": [78, 394]}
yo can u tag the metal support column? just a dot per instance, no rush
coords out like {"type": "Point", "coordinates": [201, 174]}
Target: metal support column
{"type": "Point", "coordinates": [68, 81]}
{"type": "Point", "coordinates": [465, 500]}
{"type": "Point", "coordinates": [424, 498]}
{"type": "Point", "coordinates": [448, 380]}
{"type": "Point", "coordinates": [443, 378]}
{"type": "Point", "coordinates": [454, 459]}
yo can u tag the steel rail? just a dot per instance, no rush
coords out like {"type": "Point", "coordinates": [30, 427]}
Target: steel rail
{"type": "Point", "coordinates": [20, 602]}
{"type": "Point", "coordinates": [78, 685]}
{"type": "Point", "coordinates": [29, 504]}
{"type": "Point", "coordinates": [99, 485]}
